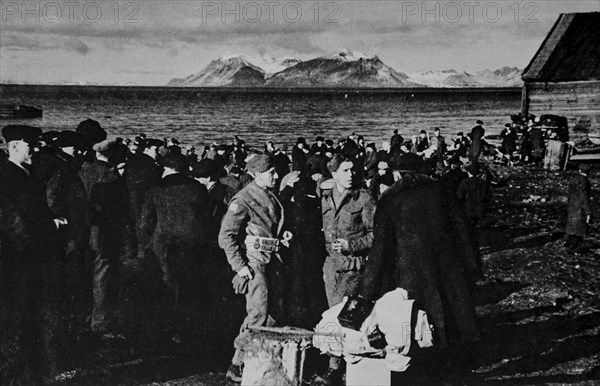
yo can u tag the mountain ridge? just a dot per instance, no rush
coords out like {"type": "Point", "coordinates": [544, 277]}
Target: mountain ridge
{"type": "Point", "coordinates": [343, 69]}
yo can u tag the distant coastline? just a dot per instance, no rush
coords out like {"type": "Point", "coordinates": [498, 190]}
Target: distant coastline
{"type": "Point", "coordinates": [7, 90]}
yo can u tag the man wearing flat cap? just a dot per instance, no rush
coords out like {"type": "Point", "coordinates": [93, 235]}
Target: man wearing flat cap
{"type": "Point", "coordinates": [208, 172]}
{"type": "Point", "coordinates": [28, 231]}
{"type": "Point", "coordinates": [417, 247]}
{"type": "Point", "coordinates": [250, 235]}
{"type": "Point", "coordinates": [101, 175]}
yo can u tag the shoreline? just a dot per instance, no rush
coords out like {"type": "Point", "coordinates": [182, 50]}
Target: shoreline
{"type": "Point", "coordinates": [16, 88]}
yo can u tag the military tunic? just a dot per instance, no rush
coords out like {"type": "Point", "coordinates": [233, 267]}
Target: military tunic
{"type": "Point", "coordinates": [351, 220]}
{"type": "Point", "coordinates": [253, 211]}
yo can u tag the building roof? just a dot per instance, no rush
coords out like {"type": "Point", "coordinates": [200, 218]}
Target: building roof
{"type": "Point", "coordinates": [570, 52]}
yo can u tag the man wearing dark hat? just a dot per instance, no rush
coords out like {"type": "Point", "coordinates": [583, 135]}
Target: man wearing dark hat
{"type": "Point", "coordinates": [396, 141]}
{"type": "Point", "coordinates": [207, 172]}
{"type": "Point", "coordinates": [476, 136]}
{"type": "Point", "coordinates": [417, 247]}
{"type": "Point", "coordinates": [318, 147]}
{"type": "Point", "coordinates": [299, 155]}
{"type": "Point", "coordinates": [173, 227]}
{"type": "Point", "coordinates": [281, 162]}
{"type": "Point", "coordinates": [579, 209]}
{"type": "Point", "coordinates": [28, 231]}
{"type": "Point", "coordinates": [67, 198]}
{"type": "Point", "coordinates": [250, 235]}
{"type": "Point", "coordinates": [232, 178]}
{"type": "Point", "coordinates": [91, 133]}
{"type": "Point", "coordinates": [509, 142]}
{"type": "Point", "coordinates": [142, 172]}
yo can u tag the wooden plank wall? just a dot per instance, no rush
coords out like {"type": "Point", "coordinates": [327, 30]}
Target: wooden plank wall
{"type": "Point", "coordinates": [578, 101]}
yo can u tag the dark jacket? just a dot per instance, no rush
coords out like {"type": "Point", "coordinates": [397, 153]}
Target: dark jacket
{"type": "Point", "coordinates": [474, 193]}
{"type": "Point", "coordinates": [175, 211]}
{"type": "Point", "coordinates": [219, 196]}
{"type": "Point", "coordinates": [281, 162]}
{"type": "Point", "coordinates": [27, 216]}
{"type": "Point", "coordinates": [578, 205]}
{"type": "Point", "coordinates": [299, 159]}
{"type": "Point", "coordinates": [232, 181]}
{"type": "Point", "coordinates": [173, 225]}
{"type": "Point", "coordinates": [28, 251]}
{"type": "Point", "coordinates": [67, 198]}
{"type": "Point", "coordinates": [304, 298]}
{"type": "Point", "coordinates": [509, 141]}
{"type": "Point", "coordinates": [96, 172]}
{"type": "Point", "coordinates": [371, 163]}
{"type": "Point", "coordinates": [141, 173]}
{"type": "Point", "coordinates": [416, 247]}
{"type": "Point", "coordinates": [476, 135]}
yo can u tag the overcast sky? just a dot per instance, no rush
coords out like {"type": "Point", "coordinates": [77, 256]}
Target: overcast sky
{"type": "Point", "coordinates": [149, 42]}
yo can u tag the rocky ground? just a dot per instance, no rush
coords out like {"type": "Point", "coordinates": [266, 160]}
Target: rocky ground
{"type": "Point", "coordinates": [539, 305]}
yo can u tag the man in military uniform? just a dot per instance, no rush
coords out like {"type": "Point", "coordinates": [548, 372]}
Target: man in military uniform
{"type": "Point", "coordinates": [348, 224]}
{"type": "Point", "coordinates": [28, 231]}
{"type": "Point", "coordinates": [249, 236]}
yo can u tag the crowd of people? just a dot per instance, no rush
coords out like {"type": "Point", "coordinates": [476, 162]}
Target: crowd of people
{"type": "Point", "coordinates": [292, 231]}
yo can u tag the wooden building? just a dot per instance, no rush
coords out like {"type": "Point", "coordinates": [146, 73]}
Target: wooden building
{"type": "Point", "coordinates": [563, 78]}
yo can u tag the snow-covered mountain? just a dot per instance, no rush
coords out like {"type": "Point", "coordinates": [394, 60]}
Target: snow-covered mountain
{"type": "Point", "coordinates": [223, 72]}
{"type": "Point", "coordinates": [342, 69]}
{"type": "Point", "coordinates": [271, 65]}
{"type": "Point", "coordinates": [235, 71]}
{"type": "Point", "coordinates": [503, 77]}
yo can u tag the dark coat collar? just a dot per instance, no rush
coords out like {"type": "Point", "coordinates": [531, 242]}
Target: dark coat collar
{"type": "Point", "coordinates": [176, 179]}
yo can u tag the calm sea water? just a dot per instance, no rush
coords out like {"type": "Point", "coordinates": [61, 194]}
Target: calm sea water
{"type": "Point", "coordinates": [200, 117]}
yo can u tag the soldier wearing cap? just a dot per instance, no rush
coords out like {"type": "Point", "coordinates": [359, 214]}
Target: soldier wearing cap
{"type": "Point", "coordinates": [28, 231]}
{"type": "Point", "coordinates": [250, 236]}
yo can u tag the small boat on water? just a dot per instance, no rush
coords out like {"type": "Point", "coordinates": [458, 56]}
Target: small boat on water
{"type": "Point", "coordinates": [15, 111]}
